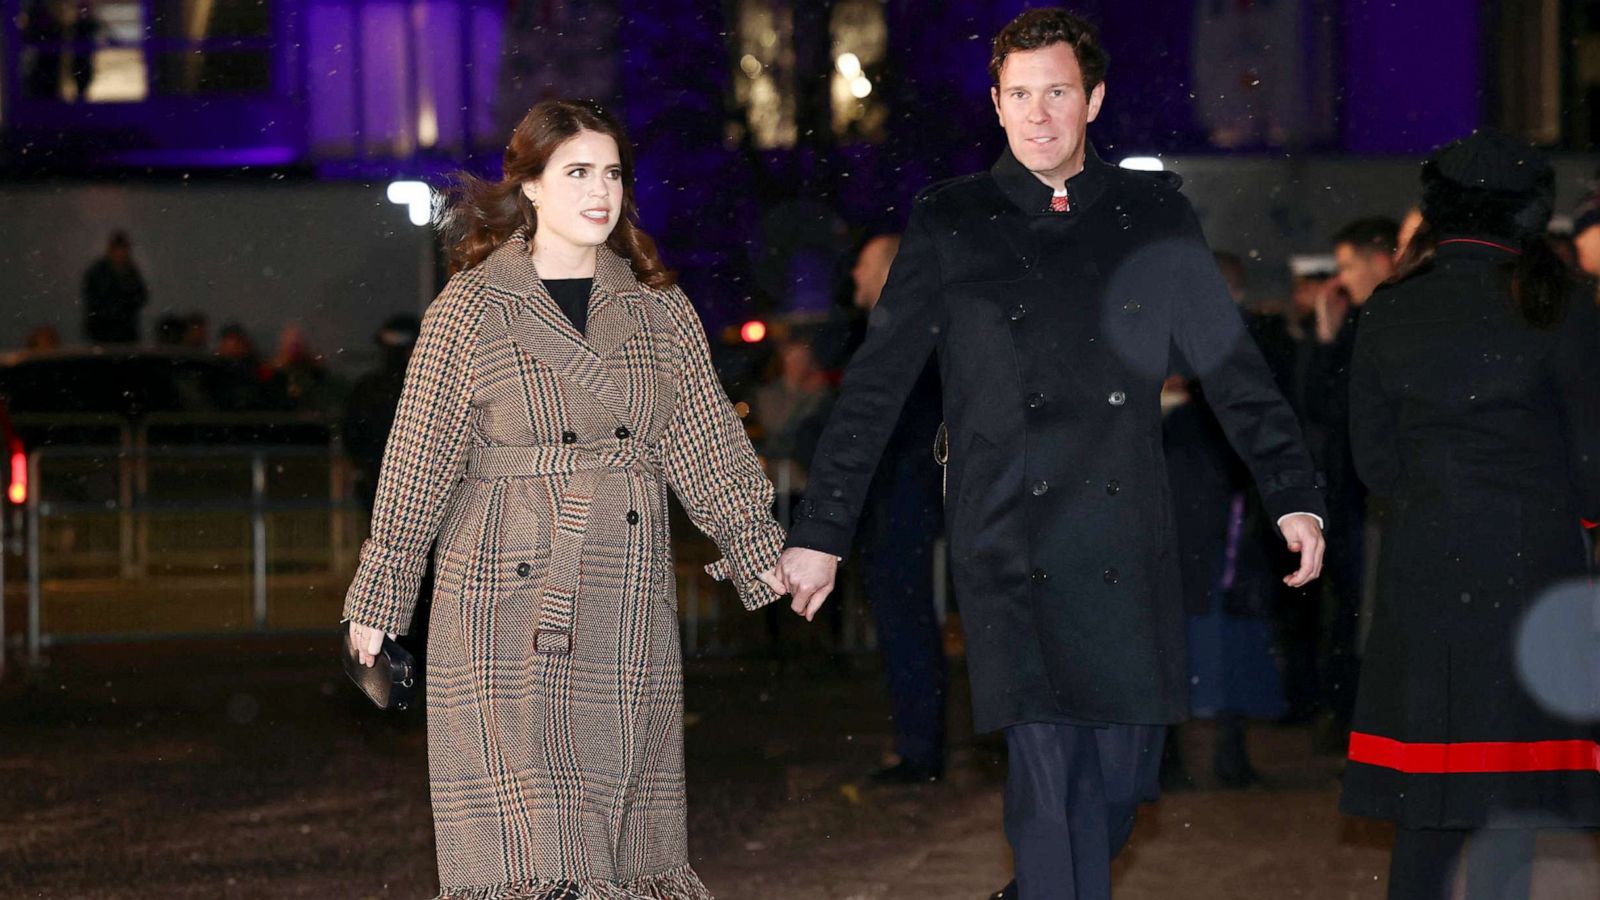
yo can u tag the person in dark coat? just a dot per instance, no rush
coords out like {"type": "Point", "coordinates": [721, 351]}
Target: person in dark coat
{"type": "Point", "coordinates": [1364, 251]}
{"type": "Point", "coordinates": [113, 295]}
{"type": "Point", "coordinates": [370, 408]}
{"type": "Point", "coordinates": [1057, 291]}
{"type": "Point", "coordinates": [900, 524]}
{"type": "Point", "coordinates": [1225, 558]}
{"type": "Point", "coordinates": [1475, 408]}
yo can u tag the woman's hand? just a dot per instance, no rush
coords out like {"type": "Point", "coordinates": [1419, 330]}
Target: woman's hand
{"type": "Point", "coordinates": [367, 642]}
{"type": "Point", "coordinates": [773, 582]}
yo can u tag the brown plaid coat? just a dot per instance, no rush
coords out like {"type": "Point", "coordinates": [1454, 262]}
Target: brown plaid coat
{"type": "Point", "coordinates": [536, 461]}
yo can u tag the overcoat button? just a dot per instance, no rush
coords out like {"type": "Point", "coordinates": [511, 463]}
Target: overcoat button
{"type": "Point", "coordinates": [1117, 398]}
{"type": "Point", "coordinates": [633, 517]}
{"type": "Point", "coordinates": [1017, 312]}
{"type": "Point", "coordinates": [1113, 487]}
{"type": "Point", "coordinates": [1035, 400]}
{"type": "Point", "coordinates": [1131, 306]}
{"type": "Point", "coordinates": [623, 432]}
{"type": "Point", "coordinates": [1040, 488]}
{"type": "Point", "coordinates": [569, 437]}
{"type": "Point", "coordinates": [1039, 576]}
{"type": "Point", "coordinates": [524, 570]}
{"type": "Point", "coordinates": [1111, 576]}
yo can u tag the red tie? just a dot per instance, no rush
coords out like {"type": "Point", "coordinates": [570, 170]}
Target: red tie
{"type": "Point", "coordinates": [1058, 203]}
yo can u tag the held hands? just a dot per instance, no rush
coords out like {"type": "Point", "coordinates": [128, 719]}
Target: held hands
{"type": "Point", "coordinates": [807, 575]}
{"type": "Point", "coordinates": [367, 642]}
{"type": "Point", "coordinates": [1304, 536]}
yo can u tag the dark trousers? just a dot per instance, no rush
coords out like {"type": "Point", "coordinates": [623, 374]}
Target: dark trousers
{"type": "Point", "coordinates": [1499, 863]}
{"type": "Point", "coordinates": [1070, 799]}
{"type": "Point", "coordinates": [897, 575]}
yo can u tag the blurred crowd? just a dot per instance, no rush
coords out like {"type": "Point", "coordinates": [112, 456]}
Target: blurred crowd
{"type": "Point", "coordinates": [293, 377]}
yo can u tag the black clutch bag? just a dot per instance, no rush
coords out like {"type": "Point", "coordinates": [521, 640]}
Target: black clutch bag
{"type": "Point", "coordinates": [389, 681]}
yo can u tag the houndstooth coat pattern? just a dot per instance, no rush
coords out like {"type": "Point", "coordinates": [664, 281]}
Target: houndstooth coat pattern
{"type": "Point", "coordinates": [535, 461]}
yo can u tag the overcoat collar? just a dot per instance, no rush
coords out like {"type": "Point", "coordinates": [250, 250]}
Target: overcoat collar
{"type": "Point", "coordinates": [542, 329]}
{"type": "Point", "coordinates": [1032, 196]}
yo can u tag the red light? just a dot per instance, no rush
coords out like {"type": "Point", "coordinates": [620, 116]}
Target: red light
{"type": "Point", "coordinates": [753, 332]}
{"type": "Point", "coordinates": [18, 493]}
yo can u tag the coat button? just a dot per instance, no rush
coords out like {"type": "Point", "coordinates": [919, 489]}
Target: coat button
{"type": "Point", "coordinates": [1111, 576]}
{"type": "Point", "coordinates": [633, 517]}
{"type": "Point", "coordinates": [524, 570]}
{"type": "Point", "coordinates": [622, 432]}
{"type": "Point", "coordinates": [1113, 487]}
{"type": "Point", "coordinates": [569, 437]}
{"type": "Point", "coordinates": [1017, 312]}
{"type": "Point", "coordinates": [1131, 306]}
{"type": "Point", "coordinates": [1035, 401]}
{"type": "Point", "coordinates": [1040, 576]}
{"type": "Point", "coordinates": [1117, 398]}
{"type": "Point", "coordinates": [1040, 488]}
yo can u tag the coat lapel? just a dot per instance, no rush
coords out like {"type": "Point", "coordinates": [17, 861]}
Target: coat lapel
{"type": "Point", "coordinates": [613, 306]}
{"type": "Point", "coordinates": [541, 329]}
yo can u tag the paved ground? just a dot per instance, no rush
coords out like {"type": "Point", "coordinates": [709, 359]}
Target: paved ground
{"type": "Point", "coordinates": [250, 770]}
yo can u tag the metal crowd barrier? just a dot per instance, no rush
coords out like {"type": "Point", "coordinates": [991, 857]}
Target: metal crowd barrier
{"type": "Point", "coordinates": [117, 515]}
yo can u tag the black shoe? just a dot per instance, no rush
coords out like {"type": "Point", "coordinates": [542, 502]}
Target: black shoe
{"type": "Point", "coordinates": [1174, 777]}
{"type": "Point", "coordinates": [905, 772]}
{"type": "Point", "coordinates": [1009, 892]}
{"type": "Point", "coordinates": [1231, 764]}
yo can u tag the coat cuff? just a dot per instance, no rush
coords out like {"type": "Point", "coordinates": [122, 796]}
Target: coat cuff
{"type": "Point", "coordinates": [745, 556]}
{"type": "Point", "coordinates": [823, 526]}
{"type": "Point", "coordinates": [385, 590]}
{"type": "Point", "coordinates": [1295, 501]}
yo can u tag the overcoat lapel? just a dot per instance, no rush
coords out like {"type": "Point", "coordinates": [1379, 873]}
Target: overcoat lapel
{"type": "Point", "coordinates": [540, 328]}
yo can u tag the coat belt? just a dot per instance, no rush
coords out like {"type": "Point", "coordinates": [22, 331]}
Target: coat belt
{"type": "Point", "coordinates": [564, 573]}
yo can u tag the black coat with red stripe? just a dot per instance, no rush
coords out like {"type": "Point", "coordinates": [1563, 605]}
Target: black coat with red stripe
{"type": "Point", "coordinates": [1484, 432]}
{"type": "Point", "coordinates": [1054, 332]}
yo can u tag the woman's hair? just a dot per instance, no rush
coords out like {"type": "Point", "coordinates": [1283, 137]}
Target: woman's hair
{"type": "Point", "coordinates": [1540, 283]}
{"type": "Point", "coordinates": [479, 215]}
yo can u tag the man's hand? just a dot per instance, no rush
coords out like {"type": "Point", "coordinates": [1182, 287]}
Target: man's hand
{"type": "Point", "coordinates": [808, 575]}
{"type": "Point", "coordinates": [1332, 304]}
{"type": "Point", "coordinates": [1304, 536]}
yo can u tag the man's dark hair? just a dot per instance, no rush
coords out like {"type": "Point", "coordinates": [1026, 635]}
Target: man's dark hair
{"type": "Point", "coordinates": [1378, 234]}
{"type": "Point", "coordinates": [1052, 25]}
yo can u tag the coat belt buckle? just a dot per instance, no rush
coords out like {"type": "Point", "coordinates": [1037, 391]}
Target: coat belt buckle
{"type": "Point", "coordinates": [560, 643]}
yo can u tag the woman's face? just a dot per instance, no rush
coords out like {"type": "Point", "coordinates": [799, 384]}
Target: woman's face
{"type": "Point", "coordinates": [579, 194]}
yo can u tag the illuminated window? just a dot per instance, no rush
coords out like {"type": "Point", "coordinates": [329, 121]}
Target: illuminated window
{"type": "Point", "coordinates": [763, 81]}
{"type": "Point", "coordinates": [860, 37]}
{"type": "Point", "coordinates": [81, 51]}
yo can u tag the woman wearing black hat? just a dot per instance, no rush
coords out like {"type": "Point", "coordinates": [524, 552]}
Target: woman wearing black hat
{"type": "Point", "coordinates": [1475, 407]}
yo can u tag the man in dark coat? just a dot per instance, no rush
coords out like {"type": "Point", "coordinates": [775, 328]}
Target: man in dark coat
{"type": "Point", "coordinates": [1058, 292]}
{"type": "Point", "coordinates": [900, 525]}
{"type": "Point", "coordinates": [113, 295]}
{"type": "Point", "coordinates": [1365, 251]}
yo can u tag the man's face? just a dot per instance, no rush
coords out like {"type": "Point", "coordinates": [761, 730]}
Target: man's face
{"type": "Point", "coordinates": [1408, 229]}
{"type": "Point", "coordinates": [1042, 105]}
{"type": "Point", "coordinates": [871, 270]}
{"type": "Point", "coordinates": [1361, 270]}
{"type": "Point", "coordinates": [1588, 244]}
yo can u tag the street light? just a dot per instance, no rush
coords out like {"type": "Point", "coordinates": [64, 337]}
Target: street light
{"type": "Point", "coordinates": [1143, 164]}
{"type": "Point", "coordinates": [416, 197]}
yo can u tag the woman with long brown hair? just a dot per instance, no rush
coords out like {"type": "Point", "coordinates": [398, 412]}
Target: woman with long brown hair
{"type": "Point", "coordinates": [560, 385]}
{"type": "Point", "coordinates": [1475, 408]}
